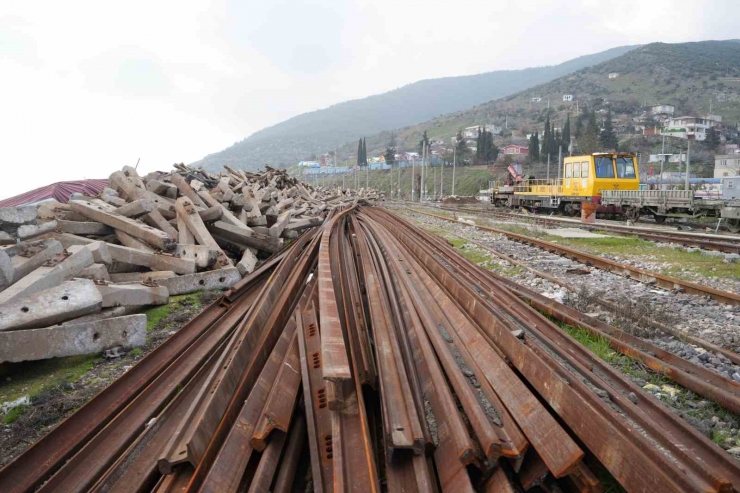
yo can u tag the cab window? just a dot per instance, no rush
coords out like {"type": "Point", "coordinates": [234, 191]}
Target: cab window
{"type": "Point", "coordinates": [625, 167]}
{"type": "Point", "coordinates": [576, 170]}
{"type": "Point", "coordinates": [604, 167]}
{"type": "Point", "coordinates": [584, 169]}
{"type": "Point", "coordinates": [568, 169]}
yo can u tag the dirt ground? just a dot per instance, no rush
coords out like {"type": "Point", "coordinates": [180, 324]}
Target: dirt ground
{"type": "Point", "coordinates": [57, 388]}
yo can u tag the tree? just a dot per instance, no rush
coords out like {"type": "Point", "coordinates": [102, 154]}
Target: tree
{"type": "Point", "coordinates": [359, 153]}
{"type": "Point", "coordinates": [534, 147]}
{"type": "Point", "coordinates": [486, 151]}
{"type": "Point", "coordinates": [423, 142]}
{"type": "Point", "coordinates": [566, 135]}
{"type": "Point", "coordinates": [589, 141]}
{"type": "Point", "coordinates": [712, 139]}
{"type": "Point", "coordinates": [608, 137]}
{"type": "Point", "coordinates": [461, 147]}
{"type": "Point", "coordinates": [364, 151]}
{"type": "Point", "coordinates": [390, 155]}
{"type": "Point", "coordinates": [546, 137]}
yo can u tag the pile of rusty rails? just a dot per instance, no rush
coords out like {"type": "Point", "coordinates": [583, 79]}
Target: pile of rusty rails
{"type": "Point", "coordinates": [721, 243]}
{"type": "Point", "coordinates": [370, 356]}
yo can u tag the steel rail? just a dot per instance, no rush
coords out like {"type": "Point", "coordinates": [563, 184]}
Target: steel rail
{"type": "Point", "coordinates": [633, 461]}
{"type": "Point", "coordinates": [541, 429]}
{"type": "Point", "coordinates": [619, 340]}
{"type": "Point", "coordinates": [665, 282]}
{"type": "Point", "coordinates": [696, 444]}
{"type": "Point", "coordinates": [721, 243]}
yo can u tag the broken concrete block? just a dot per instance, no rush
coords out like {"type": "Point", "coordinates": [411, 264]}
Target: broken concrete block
{"type": "Point", "coordinates": [114, 311]}
{"type": "Point", "coordinates": [69, 300]}
{"type": "Point", "coordinates": [162, 188]}
{"type": "Point", "coordinates": [203, 256]}
{"type": "Point", "coordinates": [6, 239]}
{"type": "Point", "coordinates": [52, 273]}
{"type": "Point", "coordinates": [84, 228]}
{"type": "Point", "coordinates": [152, 260]}
{"type": "Point", "coordinates": [29, 256]}
{"type": "Point", "coordinates": [132, 295]}
{"type": "Point", "coordinates": [248, 262]}
{"type": "Point", "coordinates": [6, 269]}
{"type": "Point", "coordinates": [99, 250]}
{"type": "Point", "coordinates": [141, 276]}
{"type": "Point", "coordinates": [210, 280]}
{"type": "Point", "coordinates": [13, 217]}
{"type": "Point", "coordinates": [96, 272]}
{"type": "Point", "coordinates": [28, 231]}
{"type": "Point", "coordinates": [74, 339]}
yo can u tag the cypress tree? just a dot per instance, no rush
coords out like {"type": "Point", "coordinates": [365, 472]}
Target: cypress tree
{"type": "Point", "coordinates": [566, 135]}
{"type": "Point", "coordinates": [608, 137]}
{"type": "Point", "coordinates": [364, 151]}
{"type": "Point", "coordinates": [359, 153]}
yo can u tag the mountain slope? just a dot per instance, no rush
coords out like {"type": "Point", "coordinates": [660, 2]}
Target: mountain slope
{"type": "Point", "coordinates": [319, 131]}
{"type": "Point", "coordinates": [690, 76]}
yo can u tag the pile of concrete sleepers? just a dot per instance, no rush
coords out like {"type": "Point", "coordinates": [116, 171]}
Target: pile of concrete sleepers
{"type": "Point", "coordinates": [73, 276]}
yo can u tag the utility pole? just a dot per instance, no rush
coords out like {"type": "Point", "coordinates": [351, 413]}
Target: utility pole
{"type": "Point", "coordinates": [442, 181]}
{"type": "Point", "coordinates": [367, 175]}
{"type": "Point", "coordinates": [560, 159]}
{"type": "Point", "coordinates": [423, 164]}
{"type": "Point", "coordinates": [434, 180]}
{"type": "Point", "coordinates": [413, 179]}
{"type": "Point", "coordinates": [662, 160]}
{"type": "Point", "coordinates": [688, 161]}
{"type": "Point", "coordinates": [454, 165]}
{"type": "Point", "coordinates": [398, 181]}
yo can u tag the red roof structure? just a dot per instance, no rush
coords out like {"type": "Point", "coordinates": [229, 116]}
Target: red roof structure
{"type": "Point", "coordinates": [60, 191]}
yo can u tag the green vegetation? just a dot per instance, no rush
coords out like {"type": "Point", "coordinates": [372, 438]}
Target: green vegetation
{"type": "Point", "coordinates": [33, 377]}
{"type": "Point", "coordinates": [155, 314]}
{"type": "Point", "coordinates": [136, 352]}
{"type": "Point", "coordinates": [15, 413]}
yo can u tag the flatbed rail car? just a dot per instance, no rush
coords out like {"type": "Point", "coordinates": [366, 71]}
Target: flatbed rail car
{"type": "Point", "coordinates": [584, 177]}
{"type": "Point", "coordinates": [672, 203]}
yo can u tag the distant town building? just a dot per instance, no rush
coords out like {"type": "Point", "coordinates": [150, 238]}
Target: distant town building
{"type": "Point", "coordinates": [515, 150]}
{"type": "Point", "coordinates": [667, 158]}
{"type": "Point", "coordinates": [309, 164]}
{"type": "Point", "coordinates": [567, 97]}
{"type": "Point", "coordinates": [613, 75]}
{"type": "Point", "coordinates": [685, 127]}
{"type": "Point", "coordinates": [662, 110]}
{"type": "Point", "coordinates": [726, 165]}
{"type": "Point", "coordinates": [536, 99]}
{"type": "Point", "coordinates": [732, 149]}
{"type": "Point", "coordinates": [472, 132]}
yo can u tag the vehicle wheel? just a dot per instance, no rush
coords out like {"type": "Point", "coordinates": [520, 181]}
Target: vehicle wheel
{"type": "Point", "coordinates": [632, 213]}
{"type": "Point", "coordinates": [733, 225]}
{"type": "Point", "coordinates": [659, 219]}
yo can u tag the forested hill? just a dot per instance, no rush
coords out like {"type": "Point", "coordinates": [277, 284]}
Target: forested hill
{"type": "Point", "coordinates": [694, 77]}
{"type": "Point", "coordinates": [319, 131]}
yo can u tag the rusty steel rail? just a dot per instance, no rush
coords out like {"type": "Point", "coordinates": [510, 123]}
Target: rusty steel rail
{"type": "Point", "coordinates": [663, 281]}
{"type": "Point", "coordinates": [640, 463]}
{"type": "Point", "coordinates": [438, 393]}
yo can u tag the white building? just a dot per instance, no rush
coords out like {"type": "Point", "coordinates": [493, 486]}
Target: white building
{"type": "Point", "coordinates": [726, 165]}
{"type": "Point", "coordinates": [567, 97]}
{"type": "Point", "coordinates": [536, 99]}
{"type": "Point", "coordinates": [684, 127]}
{"type": "Point", "coordinates": [614, 75]}
{"type": "Point", "coordinates": [663, 109]}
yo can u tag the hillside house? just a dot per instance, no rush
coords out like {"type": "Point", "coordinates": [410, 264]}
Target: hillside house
{"type": "Point", "coordinates": [515, 150]}
{"type": "Point", "coordinates": [662, 110]}
{"type": "Point", "coordinates": [732, 149]}
{"type": "Point", "coordinates": [726, 165]}
{"type": "Point", "coordinates": [567, 97]}
{"type": "Point", "coordinates": [537, 100]}
{"type": "Point", "coordinates": [694, 127]}
{"type": "Point", "coordinates": [613, 75]}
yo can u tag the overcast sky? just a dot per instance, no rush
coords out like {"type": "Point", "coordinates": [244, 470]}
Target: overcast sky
{"type": "Point", "coordinates": [87, 87]}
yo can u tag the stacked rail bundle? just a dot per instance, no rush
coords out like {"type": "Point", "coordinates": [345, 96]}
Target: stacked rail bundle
{"type": "Point", "coordinates": [376, 358]}
{"type": "Point", "coordinates": [73, 275]}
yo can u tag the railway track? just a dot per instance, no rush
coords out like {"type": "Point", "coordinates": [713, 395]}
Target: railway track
{"type": "Point", "coordinates": [392, 363]}
{"type": "Point", "coordinates": [720, 243]}
{"type": "Point", "coordinates": [642, 275]}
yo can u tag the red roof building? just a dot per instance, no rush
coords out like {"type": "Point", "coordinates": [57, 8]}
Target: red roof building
{"type": "Point", "coordinates": [516, 150]}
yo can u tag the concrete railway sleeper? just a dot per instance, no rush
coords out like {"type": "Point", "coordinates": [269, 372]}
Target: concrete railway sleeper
{"type": "Point", "coordinates": [368, 355]}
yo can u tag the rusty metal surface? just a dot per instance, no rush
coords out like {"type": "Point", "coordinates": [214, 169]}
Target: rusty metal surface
{"type": "Point", "coordinates": [289, 464]}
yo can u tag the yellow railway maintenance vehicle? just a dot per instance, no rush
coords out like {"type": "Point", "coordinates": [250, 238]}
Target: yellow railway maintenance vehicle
{"type": "Point", "coordinates": [584, 178]}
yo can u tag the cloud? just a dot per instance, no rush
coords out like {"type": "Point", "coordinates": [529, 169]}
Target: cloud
{"type": "Point", "coordinates": [90, 86]}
